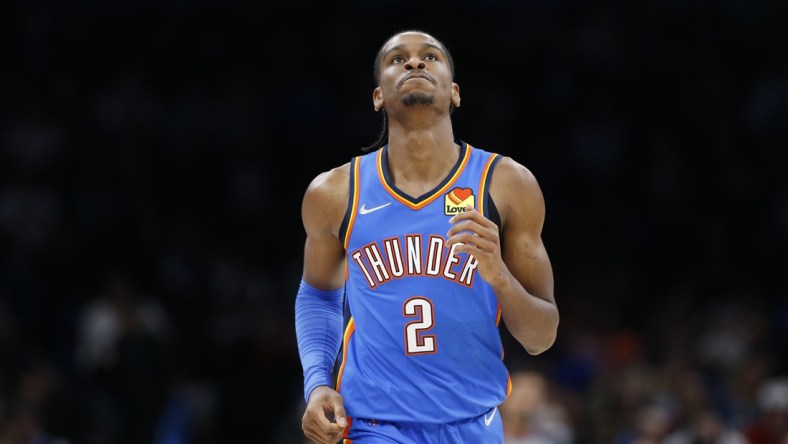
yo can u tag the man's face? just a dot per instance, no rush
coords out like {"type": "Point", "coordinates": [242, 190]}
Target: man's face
{"type": "Point", "coordinates": [414, 72]}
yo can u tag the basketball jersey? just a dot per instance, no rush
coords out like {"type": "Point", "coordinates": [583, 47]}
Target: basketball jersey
{"type": "Point", "coordinates": [421, 342]}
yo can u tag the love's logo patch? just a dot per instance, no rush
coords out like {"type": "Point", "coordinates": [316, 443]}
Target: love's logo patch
{"type": "Point", "coordinates": [457, 199]}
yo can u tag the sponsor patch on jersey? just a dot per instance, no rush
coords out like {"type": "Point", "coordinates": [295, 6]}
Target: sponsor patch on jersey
{"type": "Point", "coordinates": [457, 199]}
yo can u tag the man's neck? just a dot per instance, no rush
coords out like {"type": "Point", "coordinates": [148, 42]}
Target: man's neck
{"type": "Point", "coordinates": [420, 159]}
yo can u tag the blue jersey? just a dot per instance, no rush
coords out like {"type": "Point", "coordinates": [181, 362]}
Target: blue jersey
{"type": "Point", "coordinates": [422, 342]}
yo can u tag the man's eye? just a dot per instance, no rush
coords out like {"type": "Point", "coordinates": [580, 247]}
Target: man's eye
{"type": "Point", "coordinates": [431, 57]}
{"type": "Point", "coordinates": [397, 59]}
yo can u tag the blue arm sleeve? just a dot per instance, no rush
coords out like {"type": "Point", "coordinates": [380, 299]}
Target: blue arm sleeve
{"type": "Point", "coordinates": [318, 322]}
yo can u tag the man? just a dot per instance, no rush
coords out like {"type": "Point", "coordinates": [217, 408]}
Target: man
{"type": "Point", "coordinates": [428, 241]}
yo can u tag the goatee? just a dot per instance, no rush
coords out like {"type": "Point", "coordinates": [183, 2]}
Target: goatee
{"type": "Point", "coordinates": [418, 99]}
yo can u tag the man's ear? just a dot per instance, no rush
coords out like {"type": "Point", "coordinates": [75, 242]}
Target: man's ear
{"type": "Point", "coordinates": [455, 95]}
{"type": "Point", "coordinates": [377, 99]}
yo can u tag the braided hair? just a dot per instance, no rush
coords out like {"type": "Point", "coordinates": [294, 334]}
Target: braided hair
{"type": "Point", "coordinates": [383, 136]}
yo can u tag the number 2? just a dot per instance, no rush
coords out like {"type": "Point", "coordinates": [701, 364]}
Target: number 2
{"type": "Point", "coordinates": [416, 342]}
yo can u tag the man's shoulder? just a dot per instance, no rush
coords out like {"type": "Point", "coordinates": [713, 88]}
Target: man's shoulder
{"type": "Point", "coordinates": [330, 179]}
{"type": "Point", "coordinates": [489, 152]}
{"type": "Point", "coordinates": [513, 181]}
{"type": "Point", "coordinates": [327, 193]}
{"type": "Point", "coordinates": [506, 168]}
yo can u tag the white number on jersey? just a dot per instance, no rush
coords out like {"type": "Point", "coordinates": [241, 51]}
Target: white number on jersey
{"type": "Point", "coordinates": [416, 342]}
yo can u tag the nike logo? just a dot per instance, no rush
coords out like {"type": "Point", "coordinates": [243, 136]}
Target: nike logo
{"type": "Point", "coordinates": [365, 210]}
{"type": "Point", "coordinates": [488, 421]}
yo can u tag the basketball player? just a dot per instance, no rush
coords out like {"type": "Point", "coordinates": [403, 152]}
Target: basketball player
{"type": "Point", "coordinates": [428, 241]}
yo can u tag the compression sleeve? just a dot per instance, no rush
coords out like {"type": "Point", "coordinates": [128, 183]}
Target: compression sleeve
{"type": "Point", "coordinates": [318, 322]}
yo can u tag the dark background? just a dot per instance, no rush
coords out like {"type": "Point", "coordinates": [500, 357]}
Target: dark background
{"type": "Point", "coordinates": [154, 154]}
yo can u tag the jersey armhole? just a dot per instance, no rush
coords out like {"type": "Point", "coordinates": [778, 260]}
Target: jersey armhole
{"type": "Point", "coordinates": [351, 200]}
{"type": "Point", "coordinates": [493, 214]}
{"type": "Point", "coordinates": [490, 210]}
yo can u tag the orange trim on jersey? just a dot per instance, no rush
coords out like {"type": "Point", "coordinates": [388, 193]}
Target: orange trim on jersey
{"type": "Point", "coordinates": [351, 327]}
{"type": "Point", "coordinates": [497, 323]}
{"type": "Point", "coordinates": [354, 205]}
{"type": "Point", "coordinates": [434, 195]}
{"type": "Point", "coordinates": [483, 183]}
{"type": "Point", "coordinates": [508, 385]}
{"type": "Point", "coordinates": [482, 192]}
{"type": "Point", "coordinates": [345, 439]}
{"type": "Point", "coordinates": [353, 210]}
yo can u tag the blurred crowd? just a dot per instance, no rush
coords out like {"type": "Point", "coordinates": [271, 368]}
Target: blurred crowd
{"type": "Point", "coordinates": [153, 156]}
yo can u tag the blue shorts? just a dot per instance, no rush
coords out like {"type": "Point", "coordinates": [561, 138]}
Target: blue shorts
{"type": "Point", "coordinates": [483, 429]}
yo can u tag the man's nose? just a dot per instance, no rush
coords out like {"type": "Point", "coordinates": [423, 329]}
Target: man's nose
{"type": "Point", "coordinates": [414, 63]}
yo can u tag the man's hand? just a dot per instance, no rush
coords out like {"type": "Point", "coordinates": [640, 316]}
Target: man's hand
{"type": "Point", "coordinates": [324, 403]}
{"type": "Point", "coordinates": [474, 234]}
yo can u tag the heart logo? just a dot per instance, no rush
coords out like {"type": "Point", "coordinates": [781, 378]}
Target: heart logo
{"type": "Point", "coordinates": [458, 195]}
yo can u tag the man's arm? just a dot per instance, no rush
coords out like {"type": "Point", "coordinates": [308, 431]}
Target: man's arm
{"type": "Point", "coordinates": [527, 302]}
{"type": "Point", "coordinates": [517, 266]}
{"type": "Point", "coordinates": [322, 210]}
{"type": "Point", "coordinates": [318, 307]}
